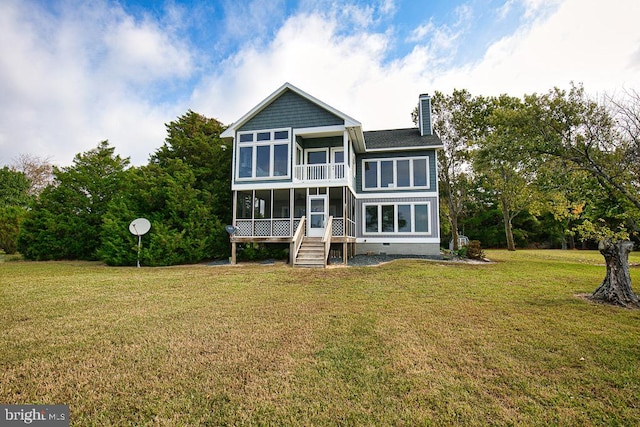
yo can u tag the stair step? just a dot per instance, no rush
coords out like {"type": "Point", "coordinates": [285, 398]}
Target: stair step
{"type": "Point", "coordinates": [311, 253]}
{"type": "Point", "coordinates": [311, 256]}
{"type": "Point", "coordinates": [312, 260]}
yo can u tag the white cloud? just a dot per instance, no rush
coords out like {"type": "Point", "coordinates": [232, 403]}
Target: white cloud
{"type": "Point", "coordinates": [343, 71]}
{"type": "Point", "coordinates": [141, 52]}
{"type": "Point", "coordinates": [580, 41]}
{"type": "Point", "coordinates": [421, 32]}
{"type": "Point", "coordinates": [576, 40]}
{"type": "Point", "coordinates": [88, 73]}
{"type": "Point", "coordinates": [83, 74]}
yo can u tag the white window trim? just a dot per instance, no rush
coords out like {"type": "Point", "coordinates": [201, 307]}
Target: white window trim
{"type": "Point", "coordinates": [395, 219]}
{"type": "Point", "coordinates": [395, 160]}
{"type": "Point", "coordinates": [333, 152]}
{"type": "Point", "coordinates": [272, 142]}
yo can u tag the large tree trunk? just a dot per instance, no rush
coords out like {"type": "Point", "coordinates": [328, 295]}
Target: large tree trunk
{"type": "Point", "coordinates": [453, 221]}
{"type": "Point", "coordinates": [508, 228]}
{"type": "Point", "coordinates": [616, 286]}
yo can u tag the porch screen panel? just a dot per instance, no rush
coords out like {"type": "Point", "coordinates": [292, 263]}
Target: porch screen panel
{"type": "Point", "coordinates": [244, 204]}
{"type": "Point", "coordinates": [281, 203]}
{"type": "Point", "coordinates": [262, 204]}
{"type": "Point", "coordinates": [335, 202]}
{"type": "Point", "coordinates": [300, 202]}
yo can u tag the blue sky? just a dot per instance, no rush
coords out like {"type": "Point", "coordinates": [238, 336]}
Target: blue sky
{"type": "Point", "coordinates": [74, 73]}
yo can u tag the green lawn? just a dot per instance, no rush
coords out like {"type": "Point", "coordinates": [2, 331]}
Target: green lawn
{"type": "Point", "coordinates": [405, 343]}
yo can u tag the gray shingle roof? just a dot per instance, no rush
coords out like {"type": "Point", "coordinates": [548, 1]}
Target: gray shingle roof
{"type": "Point", "coordinates": [400, 138]}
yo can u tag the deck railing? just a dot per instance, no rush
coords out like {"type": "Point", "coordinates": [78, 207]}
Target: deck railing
{"type": "Point", "coordinates": [326, 239]}
{"type": "Point", "coordinates": [285, 227]}
{"type": "Point", "coordinates": [296, 242]}
{"type": "Point", "coordinates": [321, 172]}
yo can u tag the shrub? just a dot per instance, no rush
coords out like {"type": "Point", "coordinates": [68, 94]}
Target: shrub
{"type": "Point", "coordinates": [474, 250]}
{"type": "Point", "coordinates": [462, 252]}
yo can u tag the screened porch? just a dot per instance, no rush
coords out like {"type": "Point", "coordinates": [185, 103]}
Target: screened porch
{"type": "Point", "coordinates": [274, 214]}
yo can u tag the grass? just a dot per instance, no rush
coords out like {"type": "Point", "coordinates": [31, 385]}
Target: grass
{"type": "Point", "coordinates": [405, 343]}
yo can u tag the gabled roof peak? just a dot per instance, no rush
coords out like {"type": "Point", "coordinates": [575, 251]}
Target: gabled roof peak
{"type": "Point", "coordinates": [348, 121]}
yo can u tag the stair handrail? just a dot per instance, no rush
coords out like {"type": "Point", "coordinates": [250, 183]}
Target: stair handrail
{"type": "Point", "coordinates": [326, 239]}
{"type": "Point", "coordinates": [297, 239]}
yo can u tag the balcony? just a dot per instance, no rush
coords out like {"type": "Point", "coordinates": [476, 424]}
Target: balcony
{"type": "Point", "coordinates": [325, 172]}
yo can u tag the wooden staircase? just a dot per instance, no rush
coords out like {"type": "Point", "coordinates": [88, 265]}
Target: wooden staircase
{"type": "Point", "coordinates": [311, 253]}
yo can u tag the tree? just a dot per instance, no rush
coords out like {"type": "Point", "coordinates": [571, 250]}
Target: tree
{"type": "Point", "coordinates": [14, 188]}
{"type": "Point", "coordinates": [66, 221]}
{"type": "Point", "coordinates": [38, 171]}
{"type": "Point", "coordinates": [457, 120]}
{"type": "Point", "coordinates": [571, 127]}
{"type": "Point", "coordinates": [14, 200]}
{"type": "Point", "coordinates": [195, 140]}
{"type": "Point", "coordinates": [185, 192]}
{"type": "Point", "coordinates": [183, 229]}
{"type": "Point", "coordinates": [564, 194]}
{"type": "Point", "coordinates": [507, 169]}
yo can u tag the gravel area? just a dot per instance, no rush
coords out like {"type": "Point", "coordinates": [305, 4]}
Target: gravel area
{"type": "Point", "coordinates": [356, 261]}
{"type": "Point", "coordinates": [364, 260]}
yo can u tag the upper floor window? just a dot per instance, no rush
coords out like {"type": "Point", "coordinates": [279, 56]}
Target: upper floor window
{"type": "Point", "coordinates": [263, 154]}
{"type": "Point", "coordinates": [404, 173]}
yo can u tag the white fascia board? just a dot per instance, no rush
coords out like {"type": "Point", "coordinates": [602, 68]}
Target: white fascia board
{"type": "Point", "coordinates": [397, 195]}
{"type": "Point", "coordinates": [397, 240]}
{"type": "Point", "coordinates": [335, 130]}
{"type": "Point", "coordinates": [228, 133]}
{"type": "Point", "coordinates": [357, 136]}
{"type": "Point", "coordinates": [379, 150]}
{"type": "Point", "coordinates": [261, 185]}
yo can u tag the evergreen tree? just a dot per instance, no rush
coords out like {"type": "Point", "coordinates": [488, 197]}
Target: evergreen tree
{"type": "Point", "coordinates": [66, 221]}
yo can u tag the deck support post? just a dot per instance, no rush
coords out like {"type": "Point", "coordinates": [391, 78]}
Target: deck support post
{"type": "Point", "coordinates": [233, 253]}
{"type": "Point", "coordinates": [345, 254]}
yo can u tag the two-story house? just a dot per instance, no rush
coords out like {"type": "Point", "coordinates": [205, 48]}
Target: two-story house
{"type": "Point", "coordinates": [307, 174]}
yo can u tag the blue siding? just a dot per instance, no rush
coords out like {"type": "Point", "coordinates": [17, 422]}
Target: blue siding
{"type": "Point", "coordinates": [291, 110]}
{"type": "Point", "coordinates": [332, 141]}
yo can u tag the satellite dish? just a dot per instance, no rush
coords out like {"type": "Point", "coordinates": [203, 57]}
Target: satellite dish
{"type": "Point", "coordinates": [231, 229]}
{"type": "Point", "coordinates": [139, 226]}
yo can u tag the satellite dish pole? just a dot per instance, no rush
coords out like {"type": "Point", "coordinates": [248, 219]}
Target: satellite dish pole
{"type": "Point", "coordinates": [138, 227]}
